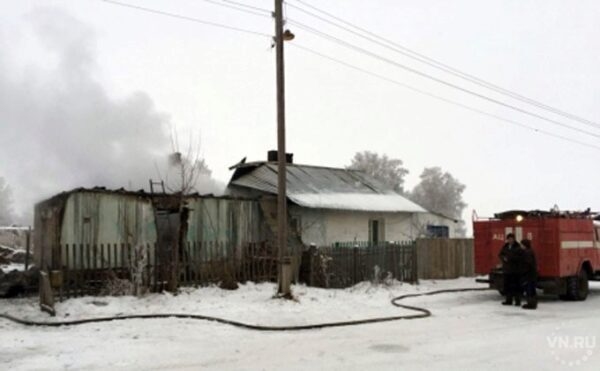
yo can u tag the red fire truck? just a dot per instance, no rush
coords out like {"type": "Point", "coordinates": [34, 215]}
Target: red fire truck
{"type": "Point", "coordinates": [566, 244]}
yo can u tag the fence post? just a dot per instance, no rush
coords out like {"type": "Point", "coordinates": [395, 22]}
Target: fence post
{"type": "Point", "coordinates": [355, 265]}
{"type": "Point", "coordinates": [28, 247]}
{"type": "Point", "coordinates": [312, 251]}
{"type": "Point", "coordinates": [415, 263]}
{"type": "Point", "coordinates": [81, 271]}
{"type": "Point", "coordinates": [157, 267]}
{"type": "Point", "coordinates": [146, 272]}
{"type": "Point", "coordinates": [394, 248]}
{"type": "Point", "coordinates": [101, 271]}
{"type": "Point", "coordinates": [67, 275]}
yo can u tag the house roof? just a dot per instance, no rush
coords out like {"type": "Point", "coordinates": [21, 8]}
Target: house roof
{"type": "Point", "coordinates": [123, 192]}
{"type": "Point", "coordinates": [324, 187]}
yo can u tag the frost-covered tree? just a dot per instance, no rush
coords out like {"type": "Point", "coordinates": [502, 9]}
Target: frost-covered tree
{"type": "Point", "coordinates": [440, 192]}
{"type": "Point", "coordinates": [188, 172]}
{"type": "Point", "coordinates": [6, 212]}
{"type": "Point", "coordinates": [387, 170]}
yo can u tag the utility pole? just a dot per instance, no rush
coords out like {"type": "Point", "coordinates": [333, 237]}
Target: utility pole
{"type": "Point", "coordinates": [282, 225]}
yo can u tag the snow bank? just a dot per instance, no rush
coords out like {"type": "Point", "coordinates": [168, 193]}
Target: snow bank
{"type": "Point", "coordinates": [12, 267]}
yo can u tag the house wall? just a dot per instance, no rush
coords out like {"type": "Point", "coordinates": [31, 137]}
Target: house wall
{"type": "Point", "coordinates": [232, 222]}
{"type": "Point", "coordinates": [350, 226]}
{"type": "Point", "coordinates": [85, 219]}
{"type": "Point", "coordinates": [94, 219]}
{"type": "Point", "coordinates": [104, 218]}
{"type": "Point", "coordinates": [325, 227]}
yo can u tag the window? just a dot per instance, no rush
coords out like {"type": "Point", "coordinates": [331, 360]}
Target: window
{"type": "Point", "coordinates": [438, 231]}
{"type": "Point", "coordinates": [376, 231]}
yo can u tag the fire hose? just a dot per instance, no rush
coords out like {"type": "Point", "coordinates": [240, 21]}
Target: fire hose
{"type": "Point", "coordinates": [421, 313]}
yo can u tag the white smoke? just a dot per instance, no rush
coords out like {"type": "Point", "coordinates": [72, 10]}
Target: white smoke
{"type": "Point", "coordinates": [58, 127]}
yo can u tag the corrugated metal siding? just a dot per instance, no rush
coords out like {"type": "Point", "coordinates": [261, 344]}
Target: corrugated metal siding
{"type": "Point", "coordinates": [97, 218]}
{"type": "Point", "coordinates": [108, 219]}
{"type": "Point", "coordinates": [119, 219]}
{"type": "Point", "coordinates": [230, 221]}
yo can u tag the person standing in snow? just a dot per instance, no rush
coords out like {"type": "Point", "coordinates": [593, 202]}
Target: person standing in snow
{"type": "Point", "coordinates": [511, 256]}
{"type": "Point", "coordinates": [529, 275]}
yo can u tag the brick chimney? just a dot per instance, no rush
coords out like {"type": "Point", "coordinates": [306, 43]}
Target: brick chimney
{"type": "Point", "coordinates": [272, 157]}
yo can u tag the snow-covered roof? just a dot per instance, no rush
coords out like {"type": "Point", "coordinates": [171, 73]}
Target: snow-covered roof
{"type": "Point", "coordinates": [356, 201]}
{"type": "Point", "coordinates": [324, 187]}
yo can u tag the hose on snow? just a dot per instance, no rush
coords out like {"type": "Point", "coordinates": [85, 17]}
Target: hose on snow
{"type": "Point", "coordinates": [421, 313]}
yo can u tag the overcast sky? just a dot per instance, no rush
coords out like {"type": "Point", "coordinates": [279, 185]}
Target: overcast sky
{"type": "Point", "coordinates": [90, 91]}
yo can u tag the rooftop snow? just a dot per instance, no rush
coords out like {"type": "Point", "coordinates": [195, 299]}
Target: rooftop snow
{"type": "Point", "coordinates": [356, 201]}
{"type": "Point", "coordinates": [325, 188]}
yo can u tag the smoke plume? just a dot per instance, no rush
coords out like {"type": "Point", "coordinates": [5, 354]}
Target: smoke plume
{"type": "Point", "coordinates": [59, 129]}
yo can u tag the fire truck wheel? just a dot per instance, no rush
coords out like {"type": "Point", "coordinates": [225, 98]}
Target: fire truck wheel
{"type": "Point", "coordinates": [577, 287]}
{"type": "Point", "coordinates": [583, 285]}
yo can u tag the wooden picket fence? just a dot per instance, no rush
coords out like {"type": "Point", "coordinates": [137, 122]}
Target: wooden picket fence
{"type": "Point", "coordinates": [211, 262]}
{"type": "Point", "coordinates": [111, 269]}
{"type": "Point", "coordinates": [444, 258]}
{"type": "Point", "coordinates": [345, 264]}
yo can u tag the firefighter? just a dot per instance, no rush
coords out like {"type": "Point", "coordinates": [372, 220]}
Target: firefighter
{"type": "Point", "coordinates": [529, 275]}
{"type": "Point", "coordinates": [511, 256]}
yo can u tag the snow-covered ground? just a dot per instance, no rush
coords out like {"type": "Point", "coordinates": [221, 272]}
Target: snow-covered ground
{"type": "Point", "coordinates": [468, 331]}
{"type": "Point", "coordinates": [12, 267]}
{"type": "Point", "coordinates": [8, 252]}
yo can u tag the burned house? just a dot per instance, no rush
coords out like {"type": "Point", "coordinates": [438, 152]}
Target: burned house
{"type": "Point", "coordinates": [329, 205]}
{"type": "Point", "coordinates": [100, 229]}
{"type": "Point", "coordinates": [85, 237]}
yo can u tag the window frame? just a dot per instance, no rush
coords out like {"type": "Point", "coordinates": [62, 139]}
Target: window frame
{"type": "Point", "coordinates": [380, 231]}
{"type": "Point", "coordinates": [434, 229]}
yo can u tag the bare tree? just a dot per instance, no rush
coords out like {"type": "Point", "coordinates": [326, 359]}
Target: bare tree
{"type": "Point", "coordinates": [387, 170]}
{"type": "Point", "coordinates": [440, 192]}
{"type": "Point", "coordinates": [186, 173]}
{"type": "Point", "coordinates": [6, 212]}
{"type": "Point", "coordinates": [184, 169]}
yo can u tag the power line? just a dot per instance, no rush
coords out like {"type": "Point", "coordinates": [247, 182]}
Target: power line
{"type": "Point", "coordinates": [446, 100]}
{"type": "Point", "coordinates": [270, 12]}
{"type": "Point", "coordinates": [433, 78]}
{"type": "Point", "coordinates": [382, 77]}
{"type": "Point", "coordinates": [186, 18]}
{"type": "Point", "coordinates": [225, 4]}
{"type": "Point", "coordinates": [389, 44]}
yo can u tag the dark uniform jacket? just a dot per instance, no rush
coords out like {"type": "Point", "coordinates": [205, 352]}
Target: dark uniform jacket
{"type": "Point", "coordinates": [512, 257]}
{"type": "Point", "coordinates": [530, 265]}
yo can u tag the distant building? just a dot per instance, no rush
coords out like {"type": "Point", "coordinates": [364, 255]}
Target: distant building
{"type": "Point", "coordinates": [329, 205]}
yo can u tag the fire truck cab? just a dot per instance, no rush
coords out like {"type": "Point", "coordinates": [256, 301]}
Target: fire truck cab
{"type": "Point", "coordinates": [566, 245]}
